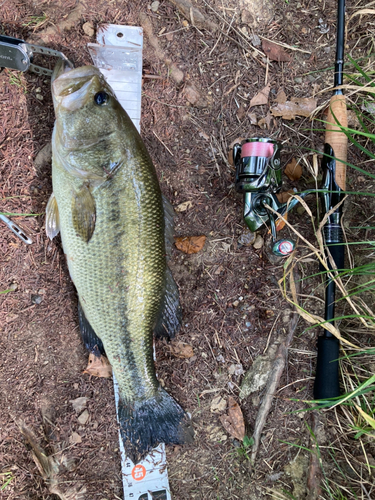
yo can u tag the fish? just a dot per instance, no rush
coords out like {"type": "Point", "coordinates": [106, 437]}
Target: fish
{"type": "Point", "coordinates": [117, 233]}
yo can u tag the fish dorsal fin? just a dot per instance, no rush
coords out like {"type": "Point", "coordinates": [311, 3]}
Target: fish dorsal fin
{"type": "Point", "coordinates": [169, 226]}
{"type": "Point", "coordinates": [52, 218]}
{"type": "Point", "coordinates": [169, 320]}
{"type": "Point", "coordinates": [84, 213]}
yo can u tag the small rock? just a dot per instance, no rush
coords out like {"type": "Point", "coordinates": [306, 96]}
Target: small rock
{"type": "Point", "coordinates": [13, 287]}
{"type": "Point", "coordinates": [88, 29]}
{"type": "Point", "coordinates": [235, 303]}
{"type": "Point", "coordinates": [83, 418]}
{"type": "Point", "coordinates": [361, 179]}
{"type": "Point", "coordinates": [75, 438]}
{"type": "Point", "coordinates": [39, 96]}
{"type": "Point", "coordinates": [38, 90]}
{"type": "Point", "coordinates": [79, 404]}
{"type": "Point", "coordinates": [220, 358]}
{"type": "Point", "coordinates": [298, 79]}
{"type": "Point", "coordinates": [255, 40]}
{"type": "Point", "coordinates": [246, 238]}
{"type": "Point", "coordinates": [327, 50]}
{"type": "Point", "coordinates": [42, 291]}
{"type": "Point", "coordinates": [218, 404]}
{"type": "Point", "coordinates": [155, 6]}
{"type": "Point", "coordinates": [44, 157]}
{"type": "Point", "coordinates": [236, 370]}
{"type": "Point", "coordinates": [185, 24]}
{"type": "Point", "coordinates": [36, 298]}
{"type": "Point", "coordinates": [259, 242]}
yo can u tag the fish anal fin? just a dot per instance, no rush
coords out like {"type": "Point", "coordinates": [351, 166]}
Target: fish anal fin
{"type": "Point", "coordinates": [52, 218]}
{"type": "Point", "coordinates": [169, 319]}
{"type": "Point", "coordinates": [84, 213]}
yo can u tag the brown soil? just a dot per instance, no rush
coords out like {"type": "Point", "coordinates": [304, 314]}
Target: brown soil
{"type": "Point", "coordinates": [233, 308]}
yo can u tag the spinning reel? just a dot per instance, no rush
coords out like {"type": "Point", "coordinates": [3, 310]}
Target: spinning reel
{"type": "Point", "coordinates": [258, 178]}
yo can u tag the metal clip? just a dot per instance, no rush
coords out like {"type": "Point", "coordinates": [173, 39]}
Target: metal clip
{"type": "Point", "coordinates": [17, 54]}
{"type": "Point", "coordinates": [16, 230]}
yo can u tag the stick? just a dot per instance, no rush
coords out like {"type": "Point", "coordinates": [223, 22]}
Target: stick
{"type": "Point", "coordinates": [334, 181]}
{"type": "Point", "coordinates": [272, 385]}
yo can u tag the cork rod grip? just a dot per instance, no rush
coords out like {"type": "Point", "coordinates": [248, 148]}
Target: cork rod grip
{"type": "Point", "coordinates": [336, 138]}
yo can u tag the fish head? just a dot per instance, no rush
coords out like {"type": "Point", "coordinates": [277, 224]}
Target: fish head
{"type": "Point", "coordinates": [86, 108]}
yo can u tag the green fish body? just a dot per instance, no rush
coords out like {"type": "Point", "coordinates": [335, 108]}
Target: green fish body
{"type": "Point", "coordinates": [108, 206]}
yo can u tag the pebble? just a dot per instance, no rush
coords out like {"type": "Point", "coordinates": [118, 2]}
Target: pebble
{"type": "Point", "coordinates": [259, 242]}
{"type": "Point", "coordinates": [83, 418]}
{"type": "Point", "coordinates": [88, 29]}
{"type": "Point", "coordinates": [39, 96]}
{"type": "Point", "coordinates": [36, 299]}
{"type": "Point", "coordinates": [155, 6]}
{"type": "Point", "coordinates": [298, 79]}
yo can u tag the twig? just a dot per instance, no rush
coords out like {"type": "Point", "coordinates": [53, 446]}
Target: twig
{"type": "Point", "coordinates": [315, 471]}
{"type": "Point", "coordinates": [166, 147]}
{"type": "Point", "coordinates": [272, 385]}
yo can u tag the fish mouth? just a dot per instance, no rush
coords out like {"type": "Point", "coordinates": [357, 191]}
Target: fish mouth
{"type": "Point", "coordinates": [72, 88]}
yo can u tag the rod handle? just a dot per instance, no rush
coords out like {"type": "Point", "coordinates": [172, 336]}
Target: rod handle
{"type": "Point", "coordinates": [336, 138]}
{"type": "Point", "coordinates": [327, 368]}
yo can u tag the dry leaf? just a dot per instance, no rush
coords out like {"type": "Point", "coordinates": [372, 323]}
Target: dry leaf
{"type": "Point", "coordinates": [280, 223]}
{"type": "Point", "coordinates": [288, 110]}
{"type": "Point", "coordinates": [293, 170]}
{"type": "Point", "coordinates": [234, 422]}
{"type": "Point", "coordinates": [181, 350]}
{"type": "Point", "coordinates": [218, 404]}
{"type": "Point", "coordinates": [253, 118]}
{"type": "Point", "coordinates": [281, 97]}
{"type": "Point", "coordinates": [241, 113]}
{"type": "Point", "coordinates": [184, 206]}
{"type": "Point", "coordinates": [190, 244]}
{"type": "Point", "coordinates": [261, 97]}
{"type": "Point", "coordinates": [83, 418]}
{"type": "Point", "coordinates": [265, 123]}
{"type": "Point", "coordinates": [275, 52]}
{"type": "Point", "coordinates": [239, 140]}
{"type": "Point", "coordinates": [98, 366]}
{"type": "Point", "coordinates": [284, 196]}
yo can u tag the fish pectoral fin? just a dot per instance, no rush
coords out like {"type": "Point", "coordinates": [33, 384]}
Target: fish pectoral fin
{"type": "Point", "coordinates": [169, 320]}
{"type": "Point", "coordinates": [90, 338]}
{"type": "Point", "coordinates": [52, 218]}
{"type": "Point", "coordinates": [84, 213]}
{"type": "Point", "coordinates": [169, 226]}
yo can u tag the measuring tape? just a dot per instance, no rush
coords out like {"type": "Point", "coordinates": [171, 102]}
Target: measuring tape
{"type": "Point", "coordinates": [118, 55]}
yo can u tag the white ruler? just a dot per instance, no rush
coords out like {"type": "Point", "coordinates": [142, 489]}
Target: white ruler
{"type": "Point", "coordinates": [118, 55]}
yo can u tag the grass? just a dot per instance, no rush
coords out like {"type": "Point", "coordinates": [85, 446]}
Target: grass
{"type": "Point", "coordinates": [7, 478]}
{"type": "Point", "coordinates": [346, 461]}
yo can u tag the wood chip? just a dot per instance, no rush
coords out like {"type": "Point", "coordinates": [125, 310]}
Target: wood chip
{"type": "Point", "coordinates": [181, 350]}
{"type": "Point", "coordinates": [182, 207]}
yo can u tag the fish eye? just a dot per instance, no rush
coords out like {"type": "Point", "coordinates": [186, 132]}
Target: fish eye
{"type": "Point", "coordinates": [101, 98]}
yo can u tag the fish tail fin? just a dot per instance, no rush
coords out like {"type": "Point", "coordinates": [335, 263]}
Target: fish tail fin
{"type": "Point", "coordinates": [145, 424]}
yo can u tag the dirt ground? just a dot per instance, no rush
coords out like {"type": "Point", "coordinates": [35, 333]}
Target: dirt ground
{"type": "Point", "coordinates": [232, 306]}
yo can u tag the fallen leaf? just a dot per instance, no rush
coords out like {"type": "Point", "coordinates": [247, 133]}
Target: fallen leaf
{"type": "Point", "coordinates": [241, 113]}
{"type": "Point", "coordinates": [281, 97]}
{"type": "Point", "coordinates": [288, 110]}
{"type": "Point", "coordinates": [239, 140]}
{"type": "Point", "coordinates": [293, 170]}
{"type": "Point", "coordinates": [182, 207]}
{"type": "Point", "coordinates": [75, 438]}
{"type": "Point", "coordinates": [280, 223]}
{"type": "Point", "coordinates": [98, 366]}
{"type": "Point", "coordinates": [261, 97]}
{"type": "Point", "coordinates": [275, 52]}
{"type": "Point", "coordinates": [190, 244]}
{"type": "Point", "coordinates": [265, 123]}
{"type": "Point", "coordinates": [181, 350]}
{"type": "Point", "coordinates": [79, 404]}
{"type": "Point", "coordinates": [284, 196]}
{"type": "Point", "coordinates": [218, 404]}
{"type": "Point", "coordinates": [253, 118]}
{"type": "Point", "coordinates": [234, 422]}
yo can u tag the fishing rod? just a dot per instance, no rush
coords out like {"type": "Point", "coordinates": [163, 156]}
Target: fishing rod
{"type": "Point", "coordinates": [334, 184]}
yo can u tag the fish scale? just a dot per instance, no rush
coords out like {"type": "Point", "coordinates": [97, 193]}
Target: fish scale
{"type": "Point", "coordinates": [108, 206]}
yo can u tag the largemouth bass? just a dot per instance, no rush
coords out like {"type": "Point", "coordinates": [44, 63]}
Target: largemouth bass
{"type": "Point", "coordinates": [115, 230]}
